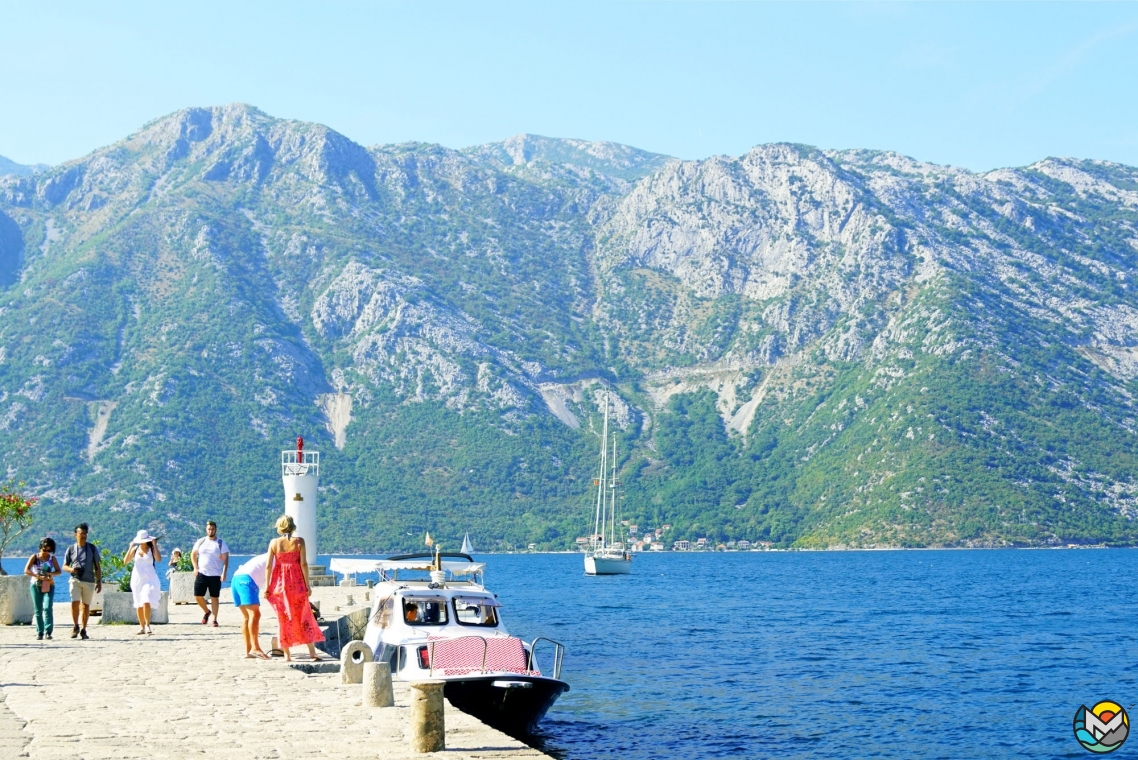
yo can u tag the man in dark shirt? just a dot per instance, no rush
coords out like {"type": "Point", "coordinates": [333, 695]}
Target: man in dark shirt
{"type": "Point", "coordinates": [82, 562]}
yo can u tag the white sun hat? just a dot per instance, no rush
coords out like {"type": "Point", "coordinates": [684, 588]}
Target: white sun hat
{"type": "Point", "coordinates": [142, 537]}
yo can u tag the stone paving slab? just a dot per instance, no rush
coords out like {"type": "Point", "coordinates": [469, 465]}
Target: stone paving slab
{"type": "Point", "coordinates": [187, 692]}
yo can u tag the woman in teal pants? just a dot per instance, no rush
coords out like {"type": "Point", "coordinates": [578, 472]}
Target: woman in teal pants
{"type": "Point", "coordinates": [43, 567]}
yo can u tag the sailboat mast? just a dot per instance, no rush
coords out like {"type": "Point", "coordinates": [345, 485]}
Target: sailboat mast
{"type": "Point", "coordinates": [599, 522]}
{"type": "Point", "coordinates": [612, 487]}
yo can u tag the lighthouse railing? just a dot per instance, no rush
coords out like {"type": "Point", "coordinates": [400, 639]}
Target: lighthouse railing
{"type": "Point", "coordinates": [307, 463]}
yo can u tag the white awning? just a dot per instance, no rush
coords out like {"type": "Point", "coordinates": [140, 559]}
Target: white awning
{"type": "Point", "coordinates": [346, 566]}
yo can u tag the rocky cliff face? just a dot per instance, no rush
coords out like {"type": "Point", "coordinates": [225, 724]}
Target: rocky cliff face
{"type": "Point", "coordinates": [194, 296]}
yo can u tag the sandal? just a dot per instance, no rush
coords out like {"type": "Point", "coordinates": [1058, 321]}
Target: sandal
{"type": "Point", "coordinates": [276, 653]}
{"type": "Point", "coordinates": [141, 632]}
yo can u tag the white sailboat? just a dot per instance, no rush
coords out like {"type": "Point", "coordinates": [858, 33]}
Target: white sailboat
{"type": "Point", "coordinates": [467, 547]}
{"type": "Point", "coordinates": [606, 555]}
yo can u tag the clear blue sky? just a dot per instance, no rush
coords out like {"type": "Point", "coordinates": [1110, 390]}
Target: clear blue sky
{"type": "Point", "coordinates": [975, 85]}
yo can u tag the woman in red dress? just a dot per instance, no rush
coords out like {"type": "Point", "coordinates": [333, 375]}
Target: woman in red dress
{"type": "Point", "coordinates": [287, 589]}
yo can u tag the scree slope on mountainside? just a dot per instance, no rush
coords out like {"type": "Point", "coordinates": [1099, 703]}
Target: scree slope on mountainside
{"type": "Point", "coordinates": [812, 348]}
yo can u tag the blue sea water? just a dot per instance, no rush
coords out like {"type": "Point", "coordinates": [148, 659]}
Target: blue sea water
{"type": "Point", "coordinates": [930, 654]}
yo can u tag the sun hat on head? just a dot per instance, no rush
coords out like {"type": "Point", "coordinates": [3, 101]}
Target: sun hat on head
{"type": "Point", "coordinates": [142, 537]}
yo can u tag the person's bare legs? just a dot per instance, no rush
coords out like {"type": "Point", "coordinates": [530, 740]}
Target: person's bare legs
{"type": "Point", "coordinates": [146, 615]}
{"type": "Point", "coordinates": [255, 629]}
{"type": "Point", "coordinates": [75, 614]}
{"type": "Point", "coordinates": [246, 632]}
{"type": "Point", "coordinates": [213, 602]}
{"type": "Point", "coordinates": [141, 619]}
{"type": "Point", "coordinates": [86, 615]}
{"type": "Point", "coordinates": [201, 603]}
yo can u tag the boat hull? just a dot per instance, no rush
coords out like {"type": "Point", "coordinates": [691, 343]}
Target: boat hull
{"type": "Point", "coordinates": [509, 707]}
{"type": "Point", "coordinates": [607, 566]}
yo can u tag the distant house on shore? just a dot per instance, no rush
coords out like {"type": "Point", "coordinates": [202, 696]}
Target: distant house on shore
{"type": "Point", "coordinates": [681, 546]}
{"type": "Point", "coordinates": [657, 546]}
{"type": "Point", "coordinates": [743, 545]}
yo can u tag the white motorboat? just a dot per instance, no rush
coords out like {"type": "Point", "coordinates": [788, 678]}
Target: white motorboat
{"type": "Point", "coordinates": [605, 554]}
{"type": "Point", "coordinates": [433, 618]}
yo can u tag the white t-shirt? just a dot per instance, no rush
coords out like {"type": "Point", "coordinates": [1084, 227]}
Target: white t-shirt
{"type": "Point", "coordinates": [209, 555]}
{"type": "Point", "coordinates": [255, 569]}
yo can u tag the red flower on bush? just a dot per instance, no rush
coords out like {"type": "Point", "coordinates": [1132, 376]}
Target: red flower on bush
{"type": "Point", "coordinates": [15, 513]}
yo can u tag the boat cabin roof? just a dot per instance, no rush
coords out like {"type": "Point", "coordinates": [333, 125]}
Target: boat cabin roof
{"type": "Point", "coordinates": [453, 563]}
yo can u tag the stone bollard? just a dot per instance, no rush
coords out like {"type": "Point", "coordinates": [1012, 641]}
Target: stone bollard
{"type": "Point", "coordinates": [377, 685]}
{"type": "Point", "coordinates": [428, 730]}
{"type": "Point", "coordinates": [353, 657]}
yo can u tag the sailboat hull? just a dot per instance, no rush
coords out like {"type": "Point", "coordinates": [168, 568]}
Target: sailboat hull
{"type": "Point", "coordinates": [607, 566]}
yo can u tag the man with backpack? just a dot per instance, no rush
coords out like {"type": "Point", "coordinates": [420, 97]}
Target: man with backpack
{"type": "Point", "coordinates": [82, 563]}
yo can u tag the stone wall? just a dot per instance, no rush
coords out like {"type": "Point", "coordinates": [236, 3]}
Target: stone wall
{"type": "Point", "coordinates": [15, 600]}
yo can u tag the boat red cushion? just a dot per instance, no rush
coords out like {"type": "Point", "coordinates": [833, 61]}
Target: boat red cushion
{"type": "Point", "coordinates": [463, 655]}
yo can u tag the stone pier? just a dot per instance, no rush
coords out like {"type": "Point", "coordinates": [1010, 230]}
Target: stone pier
{"type": "Point", "coordinates": [187, 691]}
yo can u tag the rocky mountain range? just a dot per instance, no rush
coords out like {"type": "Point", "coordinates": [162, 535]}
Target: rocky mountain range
{"type": "Point", "coordinates": [8, 166]}
{"type": "Point", "coordinates": [800, 346]}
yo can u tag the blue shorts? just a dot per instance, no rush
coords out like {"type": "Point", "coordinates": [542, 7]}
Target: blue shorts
{"type": "Point", "coordinates": [244, 591]}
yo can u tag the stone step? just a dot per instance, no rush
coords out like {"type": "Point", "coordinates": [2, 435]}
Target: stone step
{"type": "Point", "coordinates": [322, 580]}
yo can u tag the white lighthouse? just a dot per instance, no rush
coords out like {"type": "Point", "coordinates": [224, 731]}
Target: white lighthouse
{"type": "Point", "coordinates": [300, 471]}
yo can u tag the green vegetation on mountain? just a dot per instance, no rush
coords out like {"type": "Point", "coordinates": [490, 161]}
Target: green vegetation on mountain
{"type": "Point", "coordinates": [805, 347]}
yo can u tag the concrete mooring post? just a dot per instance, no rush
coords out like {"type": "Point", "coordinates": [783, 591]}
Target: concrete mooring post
{"type": "Point", "coordinates": [353, 657]}
{"type": "Point", "coordinates": [377, 685]}
{"type": "Point", "coordinates": [428, 729]}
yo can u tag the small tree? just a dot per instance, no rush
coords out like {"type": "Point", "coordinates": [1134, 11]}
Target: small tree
{"type": "Point", "coordinates": [116, 570]}
{"type": "Point", "coordinates": [15, 514]}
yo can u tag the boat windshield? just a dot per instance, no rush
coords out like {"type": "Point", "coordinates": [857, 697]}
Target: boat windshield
{"type": "Point", "coordinates": [424, 611]}
{"type": "Point", "coordinates": [382, 616]}
{"type": "Point", "coordinates": [475, 611]}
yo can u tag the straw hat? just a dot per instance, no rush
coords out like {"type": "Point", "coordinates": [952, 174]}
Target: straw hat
{"type": "Point", "coordinates": [142, 537]}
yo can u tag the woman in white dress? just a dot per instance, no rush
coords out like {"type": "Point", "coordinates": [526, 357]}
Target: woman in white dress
{"type": "Point", "coordinates": [144, 583]}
